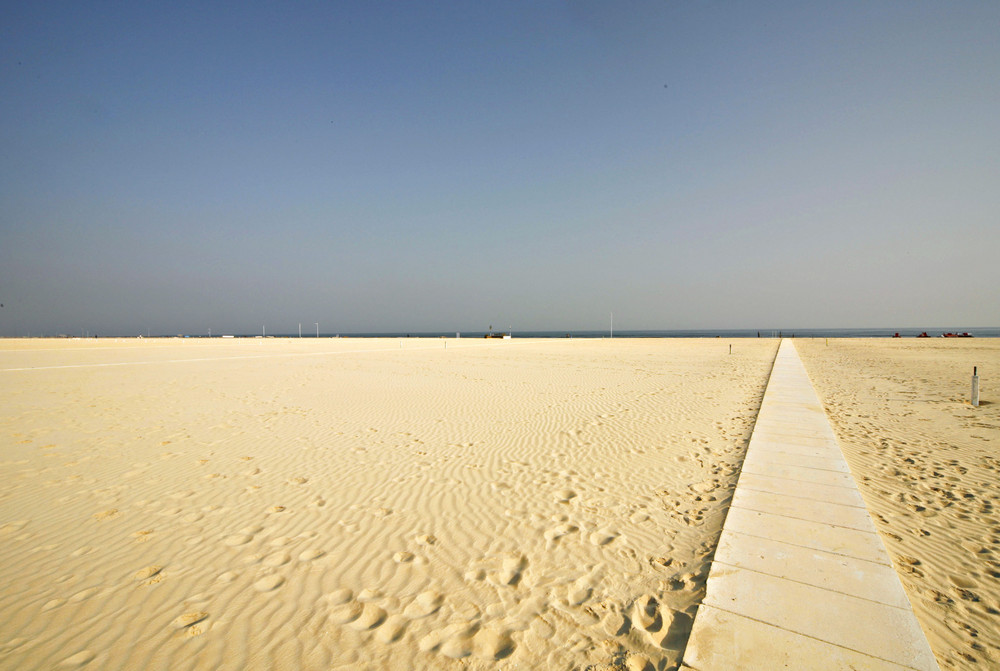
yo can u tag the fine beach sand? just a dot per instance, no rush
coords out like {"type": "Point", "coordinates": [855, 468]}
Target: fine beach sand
{"type": "Point", "coordinates": [399, 504]}
{"type": "Point", "coordinates": [928, 466]}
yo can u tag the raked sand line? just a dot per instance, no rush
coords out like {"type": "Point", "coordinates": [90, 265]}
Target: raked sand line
{"type": "Point", "coordinates": [800, 579]}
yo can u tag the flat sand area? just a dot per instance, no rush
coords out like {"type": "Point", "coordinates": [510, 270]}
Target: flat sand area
{"type": "Point", "coordinates": [425, 504]}
{"type": "Point", "coordinates": [928, 466]}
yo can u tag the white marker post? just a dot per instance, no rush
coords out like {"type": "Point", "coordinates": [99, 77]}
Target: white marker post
{"type": "Point", "coordinates": [317, 328]}
{"type": "Point", "coordinates": [300, 329]}
{"type": "Point", "coordinates": [975, 387]}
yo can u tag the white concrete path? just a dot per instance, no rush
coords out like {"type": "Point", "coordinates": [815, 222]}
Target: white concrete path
{"type": "Point", "coordinates": [800, 579]}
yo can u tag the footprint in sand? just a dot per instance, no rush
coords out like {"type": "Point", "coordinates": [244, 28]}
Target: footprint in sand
{"type": "Point", "coordinates": [79, 659]}
{"type": "Point", "coordinates": [107, 514]}
{"type": "Point", "coordinates": [603, 536]}
{"type": "Point", "coordinates": [673, 633]}
{"type": "Point", "coordinates": [578, 593]}
{"type": "Point", "coordinates": [339, 596]}
{"type": "Point", "coordinates": [237, 539]}
{"type": "Point", "coordinates": [457, 640]}
{"type": "Point", "coordinates": [426, 604]}
{"type": "Point", "coordinates": [637, 662]}
{"type": "Point", "coordinates": [402, 557]}
{"type": "Point", "coordinates": [371, 616]}
{"type": "Point", "coordinates": [84, 594]}
{"type": "Point", "coordinates": [614, 622]}
{"type": "Point", "coordinates": [425, 540]}
{"type": "Point", "coordinates": [346, 612]}
{"type": "Point", "coordinates": [511, 569]}
{"type": "Point", "coordinates": [369, 594]}
{"type": "Point", "coordinates": [564, 495]}
{"type": "Point", "coordinates": [269, 583]}
{"type": "Point", "coordinates": [146, 573]}
{"type": "Point", "coordinates": [646, 614]}
{"type": "Point", "coordinates": [277, 559]}
{"type": "Point", "coordinates": [557, 532]}
{"type": "Point", "coordinates": [311, 554]}
{"type": "Point", "coordinates": [492, 644]}
{"type": "Point", "coordinates": [392, 629]}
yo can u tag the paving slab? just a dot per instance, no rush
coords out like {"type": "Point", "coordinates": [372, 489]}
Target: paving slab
{"type": "Point", "coordinates": [730, 641]}
{"type": "Point", "coordinates": [801, 579]}
{"type": "Point", "coordinates": [789, 459]}
{"type": "Point", "coordinates": [802, 474]}
{"type": "Point", "coordinates": [817, 491]}
{"type": "Point", "coordinates": [816, 535]}
{"type": "Point", "coordinates": [810, 566]}
{"type": "Point", "coordinates": [802, 508]}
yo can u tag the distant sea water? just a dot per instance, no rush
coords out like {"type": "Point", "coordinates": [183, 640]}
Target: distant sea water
{"type": "Point", "coordinates": [980, 332]}
{"type": "Point", "coordinates": [976, 331]}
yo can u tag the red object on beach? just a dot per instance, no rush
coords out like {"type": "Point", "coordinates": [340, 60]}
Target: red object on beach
{"type": "Point", "coordinates": [923, 335]}
{"type": "Point", "coordinates": [964, 334]}
{"type": "Point", "coordinates": [896, 334]}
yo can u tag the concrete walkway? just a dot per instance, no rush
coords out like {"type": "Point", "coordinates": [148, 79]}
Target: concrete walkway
{"type": "Point", "coordinates": [800, 579]}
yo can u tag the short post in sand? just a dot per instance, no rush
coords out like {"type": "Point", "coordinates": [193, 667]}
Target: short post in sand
{"type": "Point", "coordinates": [975, 387]}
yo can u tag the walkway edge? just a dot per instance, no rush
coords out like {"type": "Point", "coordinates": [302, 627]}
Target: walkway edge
{"type": "Point", "coordinates": [800, 578]}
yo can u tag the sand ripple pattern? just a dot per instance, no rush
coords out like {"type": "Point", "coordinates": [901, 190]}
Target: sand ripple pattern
{"type": "Point", "coordinates": [366, 504]}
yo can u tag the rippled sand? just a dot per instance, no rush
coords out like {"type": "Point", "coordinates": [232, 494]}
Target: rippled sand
{"type": "Point", "coordinates": [385, 504]}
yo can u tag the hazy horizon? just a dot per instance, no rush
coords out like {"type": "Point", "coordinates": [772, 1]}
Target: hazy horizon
{"type": "Point", "coordinates": [378, 167]}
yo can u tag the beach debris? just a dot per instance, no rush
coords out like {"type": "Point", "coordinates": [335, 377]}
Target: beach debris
{"type": "Point", "coordinates": [188, 619]}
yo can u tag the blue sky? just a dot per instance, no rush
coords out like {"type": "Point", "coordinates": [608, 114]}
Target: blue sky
{"type": "Point", "coordinates": [447, 166]}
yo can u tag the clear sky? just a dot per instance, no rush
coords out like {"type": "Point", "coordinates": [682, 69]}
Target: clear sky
{"type": "Point", "coordinates": [416, 166]}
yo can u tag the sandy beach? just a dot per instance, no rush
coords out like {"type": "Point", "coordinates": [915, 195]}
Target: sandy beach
{"type": "Point", "coordinates": [348, 503]}
{"type": "Point", "coordinates": [927, 465]}
{"type": "Point", "coordinates": [446, 504]}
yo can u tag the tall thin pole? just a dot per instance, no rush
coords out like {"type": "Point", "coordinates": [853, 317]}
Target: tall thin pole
{"type": "Point", "coordinates": [300, 329]}
{"type": "Point", "coordinates": [263, 331]}
{"type": "Point", "coordinates": [209, 333]}
{"type": "Point", "coordinates": [612, 324]}
{"type": "Point", "coordinates": [317, 329]}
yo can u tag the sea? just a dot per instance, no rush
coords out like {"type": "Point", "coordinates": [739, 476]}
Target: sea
{"type": "Point", "coordinates": [979, 332]}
